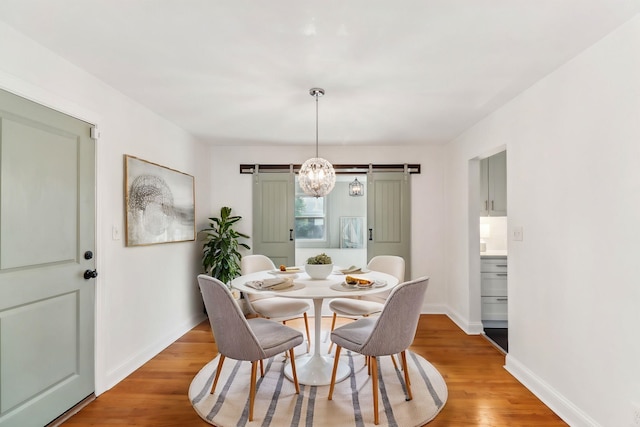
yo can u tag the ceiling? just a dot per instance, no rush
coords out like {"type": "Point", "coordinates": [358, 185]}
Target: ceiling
{"type": "Point", "coordinates": [235, 72]}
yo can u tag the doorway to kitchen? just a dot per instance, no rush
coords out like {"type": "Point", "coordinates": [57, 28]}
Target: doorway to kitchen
{"type": "Point", "coordinates": [493, 249]}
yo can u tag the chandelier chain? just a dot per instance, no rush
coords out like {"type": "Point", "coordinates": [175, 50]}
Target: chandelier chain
{"type": "Point", "coordinates": [316, 95]}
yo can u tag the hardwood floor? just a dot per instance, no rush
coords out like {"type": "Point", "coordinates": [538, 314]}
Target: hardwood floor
{"type": "Point", "coordinates": [481, 391]}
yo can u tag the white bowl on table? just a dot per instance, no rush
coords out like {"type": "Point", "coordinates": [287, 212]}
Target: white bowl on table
{"type": "Point", "coordinates": [318, 271]}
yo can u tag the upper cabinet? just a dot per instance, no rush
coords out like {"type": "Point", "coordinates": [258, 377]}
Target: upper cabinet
{"type": "Point", "coordinates": [493, 185]}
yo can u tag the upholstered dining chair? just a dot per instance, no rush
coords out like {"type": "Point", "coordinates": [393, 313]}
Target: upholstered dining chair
{"type": "Point", "coordinates": [273, 307]}
{"type": "Point", "coordinates": [241, 339]}
{"type": "Point", "coordinates": [369, 304]}
{"type": "Point", "coordinates": [389, 333]}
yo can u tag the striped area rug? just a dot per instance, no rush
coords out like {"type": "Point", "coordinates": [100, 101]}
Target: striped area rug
{"type": "Point", "coordinates": [277, 404]}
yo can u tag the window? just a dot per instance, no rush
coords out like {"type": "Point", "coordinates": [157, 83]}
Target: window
{"type": "Point", "coordinates": [310, 222]}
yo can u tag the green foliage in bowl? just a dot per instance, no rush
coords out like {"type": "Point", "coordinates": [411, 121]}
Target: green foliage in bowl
{"type": "Point", "coordinates": [319, 259]}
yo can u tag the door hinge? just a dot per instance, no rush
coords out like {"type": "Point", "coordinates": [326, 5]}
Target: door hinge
{"type": "Point", "coordinates": [95, 134]}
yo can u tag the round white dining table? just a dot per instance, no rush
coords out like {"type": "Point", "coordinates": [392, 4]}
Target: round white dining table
{"type": "Point", "coordinates": [316, 368]}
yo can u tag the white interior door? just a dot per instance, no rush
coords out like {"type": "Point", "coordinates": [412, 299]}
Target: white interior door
{"type": "Point", "coordinates": [47, 230]}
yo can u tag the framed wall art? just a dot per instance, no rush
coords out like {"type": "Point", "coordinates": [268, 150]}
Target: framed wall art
{"type": "Point", "coordinates": [352, 232]}
{"type": "Point", "coordinates": [159, 203]}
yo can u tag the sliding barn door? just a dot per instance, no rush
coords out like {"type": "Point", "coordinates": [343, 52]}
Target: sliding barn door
{"type": "Point", "coordinates": [389, 216]}
{"type": "Point", "coordinates": [47, 229]}
{"type": "Point", "coordinates": [273, 216]}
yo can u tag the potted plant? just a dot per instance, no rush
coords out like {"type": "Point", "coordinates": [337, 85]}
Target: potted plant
{"type": "Point", "coordinates": [319, 266]}
{"type": "Point", "coordinates": [221, 258]}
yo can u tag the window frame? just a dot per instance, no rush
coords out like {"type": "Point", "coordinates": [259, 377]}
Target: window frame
{"type": "Point", "coordinates": [304, 241]}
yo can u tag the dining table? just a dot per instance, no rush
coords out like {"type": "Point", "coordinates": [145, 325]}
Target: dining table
{"type": "Point", "coordinates": [316, 368]}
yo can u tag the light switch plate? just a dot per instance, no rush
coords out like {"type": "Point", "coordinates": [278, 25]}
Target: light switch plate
{"type": "Point", "coordinates": [115, 233]}
{"type": "Point", "coordinates": [517, 234]}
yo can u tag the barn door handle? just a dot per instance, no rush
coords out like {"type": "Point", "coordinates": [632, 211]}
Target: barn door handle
{"type": "Point", "coordinates": [371, 234]}
{"type": "Point", "coordinates": [291, 234]}
{"type": "Point", "coordinates": [90, 274]}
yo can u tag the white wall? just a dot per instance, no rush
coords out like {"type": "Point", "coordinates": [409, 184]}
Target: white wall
{"type": "Point", "coordinates": [230, 188]}
{"type": "Point", "coordinates": [146, 296]}
{"type": "Point", "coordinates": [573, 147]}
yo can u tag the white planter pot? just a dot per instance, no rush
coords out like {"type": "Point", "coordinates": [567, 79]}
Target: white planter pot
{"type": "Point", "coordinates": [318, 271]}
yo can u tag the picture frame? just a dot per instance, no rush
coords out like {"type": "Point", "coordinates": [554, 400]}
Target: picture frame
{"type": "Point", "coordinates": [352, 232]}
{"type": "Point", "coordinates": [159, 203]}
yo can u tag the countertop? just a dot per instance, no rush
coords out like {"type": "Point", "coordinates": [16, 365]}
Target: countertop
{"type": "Point", "coordinates": [489, 254]}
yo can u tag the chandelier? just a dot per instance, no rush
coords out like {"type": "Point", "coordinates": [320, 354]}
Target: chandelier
{"type": "Point", "coordinates": [317, 177]}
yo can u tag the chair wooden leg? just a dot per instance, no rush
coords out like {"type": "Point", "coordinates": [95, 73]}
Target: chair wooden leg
{"type": "Point", "coordinates": [403, 356]}
{"type": "Point", "coordinates": [215, 381]}
{"type": "Point", "coordinates": [261, 368]}
{"type": "Point", "coordinates": [293, 370]}
{"type": "Point", "coordinates": [252, 389]}
{"type": "Point", "coordinates": [333, 325]}
{"type": "Point", "coordinates": [393, 359]}
{"type": "Point", "coordinates": [336, 360]}
{"type": "Point", "coordinates": [374, 384]}
{"type": "Point", "coordinates": [306, 326]}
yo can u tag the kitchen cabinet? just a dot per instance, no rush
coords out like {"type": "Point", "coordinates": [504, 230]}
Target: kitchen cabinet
{"type": "Point", "coordinates": [493, 185]}
{"type": "Point", "coordinates": [493, 271]}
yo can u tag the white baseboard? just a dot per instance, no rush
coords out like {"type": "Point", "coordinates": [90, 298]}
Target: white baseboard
{"type": "Point", "coordinates": [124, 370]}
{"type": "Point", "coordinates": [559, 404]}
{"type": "Point", "coordinates": [566, 410]}
{"type": "Point", "coordinates": [435, 309]}
{"type": "Point", "coordinates": [470, 328]}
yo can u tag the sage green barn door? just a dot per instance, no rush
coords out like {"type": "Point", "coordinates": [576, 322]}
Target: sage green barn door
{"type": "Point", "coordinates": [389, 216]}
{"type": "Point", "coordinates": [47, 232]}
{"type": "Point", "coordinates": [273, 221]}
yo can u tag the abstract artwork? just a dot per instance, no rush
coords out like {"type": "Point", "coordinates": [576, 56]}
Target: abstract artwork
{"type": "Point", "coordinates": [159, 202]}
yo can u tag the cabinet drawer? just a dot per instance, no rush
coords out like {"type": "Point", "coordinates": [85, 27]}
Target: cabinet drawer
{"type": "Point", "coordinates": [493, 284]}
{"type": "Point", "coordinates": [493, 265]}
{"type": "Point", "coordinates": [494, 308]}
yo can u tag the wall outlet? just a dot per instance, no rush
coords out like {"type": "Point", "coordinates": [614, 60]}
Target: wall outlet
{"type": "Point", "coordinates": [635, 414]}
{"type": "Point", "coordinates": [517, 234]}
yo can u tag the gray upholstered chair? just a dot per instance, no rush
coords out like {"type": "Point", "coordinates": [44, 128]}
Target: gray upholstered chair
{"type": "Point", "coordinates": [269, 306]}
{"type": "Point", "coordinates": [242, 339]}
{"type": "Point", "coordinates": [369, 304]}
{"type": "Point", "coordinates": [390, 333]}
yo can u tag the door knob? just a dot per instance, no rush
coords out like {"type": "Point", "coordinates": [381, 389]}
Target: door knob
{"type": "Point", "coordinates": [90, 274]}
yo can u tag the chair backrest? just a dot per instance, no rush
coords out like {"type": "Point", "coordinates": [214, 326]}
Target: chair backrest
{"type": "Point", "coordinates": [396, 326]}
{"type": "Point", "coordinates": [390, 264]}
{"type": "Point", "coordinates": [252, 264]}
{"type": "Point", "coordinates": [234, 338]}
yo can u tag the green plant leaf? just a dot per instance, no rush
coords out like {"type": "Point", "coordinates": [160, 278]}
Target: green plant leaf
{"type": "Point", "coordinates": [220, 255]}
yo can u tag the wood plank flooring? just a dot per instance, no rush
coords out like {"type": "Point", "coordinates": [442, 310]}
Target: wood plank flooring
{"type": "Point", "coordinates": [481, 391]}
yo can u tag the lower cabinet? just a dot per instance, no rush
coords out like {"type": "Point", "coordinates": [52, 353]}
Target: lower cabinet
{"type": "Point", "coordinates": [494, 291]}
